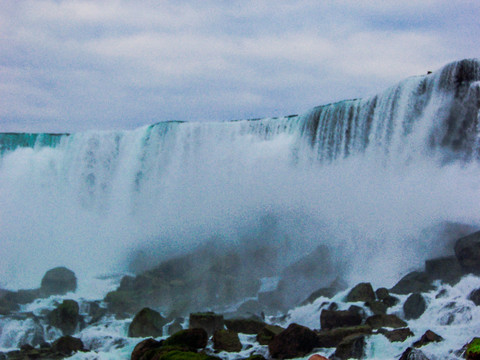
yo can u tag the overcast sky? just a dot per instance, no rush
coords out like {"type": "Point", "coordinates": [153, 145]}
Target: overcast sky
{"type": "Point", "coordinates": [78, 65]}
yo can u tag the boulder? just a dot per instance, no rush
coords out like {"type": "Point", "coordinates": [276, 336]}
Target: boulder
{"type": "Point", "coordinates": [142, 347]}
{"type": "Point", "coordinates": [58, 281]}
{"type": "Point", "coordinates": [191, 338]}
{"type": "Point", "coordinates": [267, 334]}
{"type": "Point", "coordinates": [472, 351]}
{"type": "Point", "coordinates": [427, 338]}
{"type": "Point", "coordinates": [446, 269]}
{"type": "Point", "coordinates": [414, 306]}
{"type": "Point", "coordinates": [295, 341]}
{"type": "Point", "coordinates": [413, 354]}
{"type": "Point", "coordinates": [382, 293]}
{"type": "Point", "coordinates": [467, 251]}
{"type": "Point", "coordinates": [385, 320]}
{"type": "Point", "coordinates": [330, 319]}
{"type": "Point", "coordinates": [377, 307]}
{"type": "Point", "coordinates": [67, 345]}
{"type": "Point", "coordinates": [352, 347]}
{"type": "Point", "coordinates": [384, 296]}
{"type": "Point", "coordinates": [361, 292]}
{"type": "Point", "coordinates": [245, 326]}
{"type": "Point", "coordinates": [331, 338]}
{"type": "Point", "coordinates": [475, 296]}
{"type": "Point", "coordinates": [65, 316]}
{"type": "Point", "coordinates": [415, 281]}
{"type": "Point", "coordinates": [147, 323]}
{"type": "Point", "coordinates": [208, 321]}
{"type": "Point", "coordinates": [226, 340]}
{"type": "Point", "coordinates": [397, 335]}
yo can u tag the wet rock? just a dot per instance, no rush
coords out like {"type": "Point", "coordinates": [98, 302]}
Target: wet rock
{"type": "Point", "coordinates": [382, 293]}
{"type": "Point", "coordinates": [33, 335]}
{"type": "Point", "coordinates": [377, 307]}
{"type": "Point", "coordinates": [67, 345]}
{"type": "Point", "coordinates": [267, 334]}
{"type": "Point", "coordinates": [384, 296]}
{"type": "Point", "coordinates": [361, 292]}
{"type": "Point", "coordinates": [226, 340]}
{"type": "Point", "coordinates": [467, 251]}
{"type": "Point", "coordinates": [208, 321]}
{"type": "Point", "coordinates": [415, 281]}
{"type": "Point", "coordinates": [58, 281]}
{"type": "Point", "coordinates": [295, 341]}
{"type": "Point", "coordinates": [390, 301]}
{"type": "Point", "coordinates": [352, 347]}
{"type": "Point", "coordinates": [397, 335]}
{"type": "Point", "coordinates": [330, 319]}
{"type": "Point", "coordinates": [475, 296]}
{"type": "Point", "coordinates": [146, 323]}
{"type": "Point", "coordinates": [414, 306]}
{"type": "Point", "coordinates": [413, 354]}
{"type": "Point", "coordinates": [385, 320]}
{"type": "Point", "coordinates": [427, 338]}
{"type": "Point", "coordinates": [65, 317]}
{"type": "Point", "coordinates": [144, 346]}
{"type": "Point", "coordinates": [191, 338]}
{"type": "Point", "coordinates": [446, 269]}
{"type": "Point", "coordinates": [331, 338]}
{"type": "Point", "coordinates": [245, 326]}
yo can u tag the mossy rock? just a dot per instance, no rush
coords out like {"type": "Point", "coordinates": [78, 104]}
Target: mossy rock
{"type": "Point", "coordinates": [473, 349]}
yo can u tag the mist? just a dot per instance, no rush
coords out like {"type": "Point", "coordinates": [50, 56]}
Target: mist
{"type": "Point", "coordinates": [118, 202]}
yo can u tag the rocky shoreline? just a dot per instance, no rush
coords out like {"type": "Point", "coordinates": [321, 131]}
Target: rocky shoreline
{"type": "Point", "coordinates": [348, 319]}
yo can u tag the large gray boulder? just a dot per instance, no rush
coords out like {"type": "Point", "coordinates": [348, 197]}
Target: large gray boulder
{"type": "Point", "coordinates": [58, 281]}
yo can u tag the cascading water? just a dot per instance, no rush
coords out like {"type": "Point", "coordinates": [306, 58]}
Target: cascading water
{"type": "Point", "coordinates": [364, 177]}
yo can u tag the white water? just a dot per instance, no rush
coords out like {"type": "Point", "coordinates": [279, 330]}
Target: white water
{"type": "Point", "coordinates": [372, 179]}
{"type": "Point", "coordinates": [365, 177]}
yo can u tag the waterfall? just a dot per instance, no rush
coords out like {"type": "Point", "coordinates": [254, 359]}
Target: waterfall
{"type": "Point", "coordinates": [365, 176]}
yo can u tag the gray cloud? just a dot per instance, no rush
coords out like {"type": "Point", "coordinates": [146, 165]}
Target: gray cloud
{"type": "Point", "coordinates": [78, 64]}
